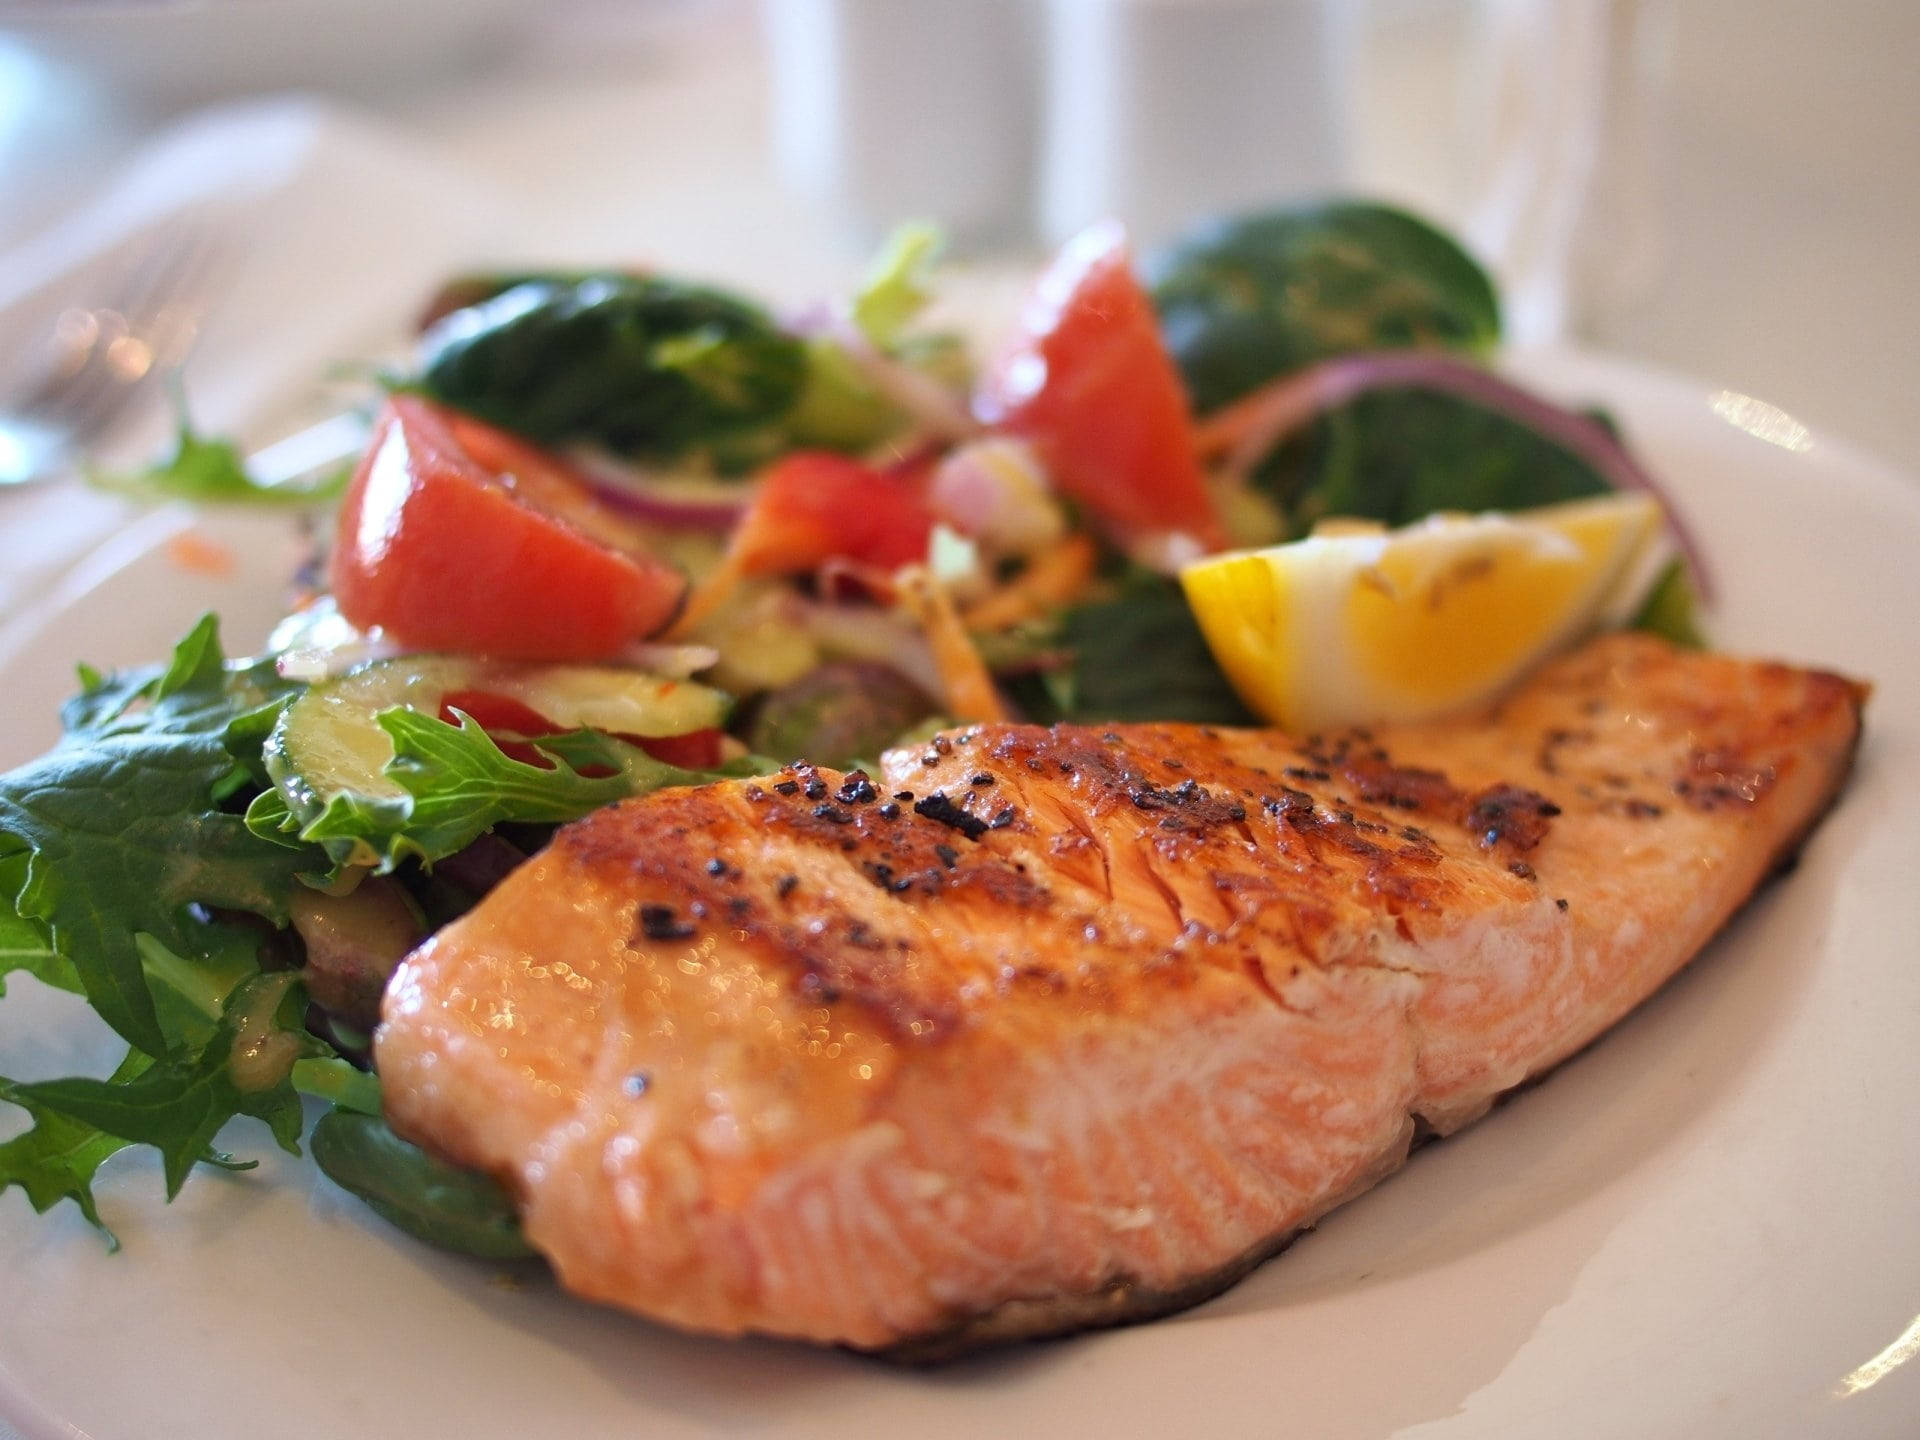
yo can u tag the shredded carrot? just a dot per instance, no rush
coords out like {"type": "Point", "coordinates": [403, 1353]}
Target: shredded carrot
{"type": "Point", "coordinates": [195, 552]}
{"type": "Point", "coordinates": [1056, 577]}
{"type": "Point", "coordinates": [705, 598]}
{"type": "Point", "coordinates": [971, 695]}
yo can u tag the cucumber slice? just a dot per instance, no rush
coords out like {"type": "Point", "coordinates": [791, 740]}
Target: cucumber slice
{"type": "Point", "coordinates": [329, 741]}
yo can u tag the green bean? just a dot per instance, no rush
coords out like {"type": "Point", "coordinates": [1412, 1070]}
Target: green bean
{"type": "Point", "coordinates": [431, 1200]}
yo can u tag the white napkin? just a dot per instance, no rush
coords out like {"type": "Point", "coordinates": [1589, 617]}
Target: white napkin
{"type": "Point", "coordinates": [342, 227]}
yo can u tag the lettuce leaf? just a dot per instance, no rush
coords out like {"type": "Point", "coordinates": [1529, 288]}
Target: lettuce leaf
{"type": "Point", "coordinates": [179, 1105]}
{"type": "Point", "coordinates": [25, 944]}
{"type": "Point", "coordinates": [897, 286]}
{"type": "Point", "coordinates": [136, 851]}
{"type": "Point", "coordinates": [123, 827]}
{"type": "Point", "coordinates": [129, 875]}
{"type": "Point", "coordinates": [459, 784]}
{"type": "Point", "coordinates": [57, 1159]}
{"type": "Point", "coordinates": [208, 470]}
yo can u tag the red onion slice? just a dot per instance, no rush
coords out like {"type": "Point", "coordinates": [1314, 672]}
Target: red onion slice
{"type": "Point", "coordinates": [665, 504]}
{"type": "Point", "coordinates": [670, 662]}
{"type": "Point", "coordinates": [1248, 430]}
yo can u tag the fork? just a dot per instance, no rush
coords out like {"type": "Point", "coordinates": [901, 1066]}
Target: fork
{"type": "Point", "coordinates": [100, 361]}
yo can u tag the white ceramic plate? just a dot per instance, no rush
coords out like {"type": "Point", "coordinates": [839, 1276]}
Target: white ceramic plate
{"type": "Point", "coordinates": [1702, 1227]}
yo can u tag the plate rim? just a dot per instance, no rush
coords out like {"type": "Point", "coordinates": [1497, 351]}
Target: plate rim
{"type": "Point", "coordinates": [1845, 462]}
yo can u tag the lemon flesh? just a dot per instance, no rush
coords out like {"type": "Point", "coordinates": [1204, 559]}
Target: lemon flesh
{"type": "Point", "coordinates": [1357, 623]}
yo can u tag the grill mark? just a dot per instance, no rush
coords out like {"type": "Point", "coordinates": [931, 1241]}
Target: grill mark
{"type": "Point", "coordinates": [1131, 1296]}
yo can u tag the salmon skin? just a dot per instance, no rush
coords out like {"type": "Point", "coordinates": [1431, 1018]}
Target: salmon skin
{"type": "Point", "coordinates": [1044, 1029]}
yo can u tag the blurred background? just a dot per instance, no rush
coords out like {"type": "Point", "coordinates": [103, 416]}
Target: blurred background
{"type": "Point", "coordinates": [1726, 188]}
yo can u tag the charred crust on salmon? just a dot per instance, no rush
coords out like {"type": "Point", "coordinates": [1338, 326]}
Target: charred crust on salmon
{"type": "Point", "coordinates": [1510, 815]}
{"type": "Point", "coordinates": [948, 1085]}
{"type": "Point", "coordinates": [941, 810]}
{"type": "Point", "coordinates": [662, 922]}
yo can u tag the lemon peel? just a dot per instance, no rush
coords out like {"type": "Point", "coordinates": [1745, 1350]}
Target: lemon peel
{"type": "Point", "coordinates": [1357, 623]}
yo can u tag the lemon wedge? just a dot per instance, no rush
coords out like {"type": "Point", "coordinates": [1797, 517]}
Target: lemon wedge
{"type": "Point", "coordinates": [1358, 623]}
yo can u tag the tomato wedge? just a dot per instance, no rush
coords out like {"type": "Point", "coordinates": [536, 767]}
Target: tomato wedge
{"type": "Point", "coordinates": [1089, 384]}
{"type": "Point", "coordinates": [815, 506]}
{"type": "Point", "coordinates": [456, 536]}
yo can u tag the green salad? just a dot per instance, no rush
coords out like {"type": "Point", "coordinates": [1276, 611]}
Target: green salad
{"type": "Point", "coordinates": [614, 532]}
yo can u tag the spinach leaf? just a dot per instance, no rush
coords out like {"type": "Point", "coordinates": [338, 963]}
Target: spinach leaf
{"type": "Point", "coordinates": [643, 366]}
{"type": "Point", "coordinates": [1244, 299]}
{"type": "Point", "coordinates": [1138, 655]}
{"type": "Point", "coordinates": [1400, 455]}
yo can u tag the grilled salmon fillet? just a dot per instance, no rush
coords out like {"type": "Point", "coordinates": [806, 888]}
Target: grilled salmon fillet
{"type": "Point", "coordinates": [1049, 1028]}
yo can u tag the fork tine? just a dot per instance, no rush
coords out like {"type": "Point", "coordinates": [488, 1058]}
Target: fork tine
{"type": "Point", "coordinates": [177, 270]}
{"type": "Point", "coordinates": [144, 328]}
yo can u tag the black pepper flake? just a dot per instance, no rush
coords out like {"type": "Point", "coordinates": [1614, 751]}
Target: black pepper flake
{"type": "Point", "coordinates": [937, 807]}
{"type": "Point", "coordinates": [815, 788]}
{"type": "Point", "coordinates": [1523, 870]}
{"type": "Point", "coordinates": [929, 760]}
{"type": "Point", "coordinates": [788, 787]}
{"type": "Point", "coordinates": [1304, 772]}
{"type": "Point", "coordinates": [1294, 806]}
{"type": "Point", "coordinates": [698, 909]}
{"type": "Point", "coordinates": [983, 778]}
{"type": "Point", "coordinates": [949, 856]}
{"type": "Point", "coordinates": [942, 745]}
{"type": "Point", "coordinates": [833, 814]}
{"type": "Point", "coordinates": [786, 885]}
{"type": "Point", "coordinates": [903, 794]}
{"type": "Point", "coordinates": [716, 867]}
{"type": "Point", "coordinates": [1561, 904]}
{"type": "Point", "coordinates": [755, 793]}
{"type": "Point", "coordinates": [889, 811]}
{"type": "Point", "coordinates": [1001, 821]}
{"type": "Point", "coordinates": [662, 922]}
{"type": "Point", "coordinates": [857, 790]}
{"type": "Point", "coordinates": [637, 1084]}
